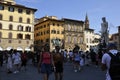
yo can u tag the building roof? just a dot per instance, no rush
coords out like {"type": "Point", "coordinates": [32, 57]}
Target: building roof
{"type": "Point", "coordinates": [66, 19]}
{"type": "Point", "coordinates": [49, 20]}
{"type": "Point", "coordinates": [18, 5]}
{"type": "Point", "coordinates": [89, 29]}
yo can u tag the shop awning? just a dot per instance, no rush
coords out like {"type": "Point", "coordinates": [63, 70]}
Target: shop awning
{"type": "Point", "coordinates": [27, 49]}
{"type": "Point", "coordinates": [19, 49]}
{"type": "Point", "coordinates": [9, 48]}
{"type": "Point", "coordinates": [1, 48]}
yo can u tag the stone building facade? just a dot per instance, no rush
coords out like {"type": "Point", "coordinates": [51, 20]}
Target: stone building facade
{"type": "Point", "coordinates": [16, 26]}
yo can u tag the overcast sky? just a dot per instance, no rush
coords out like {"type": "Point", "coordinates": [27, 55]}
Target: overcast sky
{"type": "Point", "coordinates": [77, 9]}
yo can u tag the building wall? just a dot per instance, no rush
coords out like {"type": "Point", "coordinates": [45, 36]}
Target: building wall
{"type": "Point", "coordinates": [48, 25]}
{"type": "Point", "coordinates": [74, 34]}
{"type": "Point", "coordinates": [14, 42]}
{"type": "Point", "coordinates": [119, 38]}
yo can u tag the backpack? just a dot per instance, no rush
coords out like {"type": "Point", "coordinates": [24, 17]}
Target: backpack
{"type": "Point", "coordinates": [58, 57]}
{"type": "Point", "coordinates": [114, 69]}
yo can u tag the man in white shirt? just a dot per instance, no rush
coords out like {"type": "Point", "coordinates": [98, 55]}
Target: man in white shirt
{"type": "Point", "coordinates": [16, 61]}
{"type": "Point", "coordinates": [106, 59]}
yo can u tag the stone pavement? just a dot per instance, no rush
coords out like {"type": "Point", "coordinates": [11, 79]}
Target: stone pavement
{"type": "Point", "coordinates": [88, 73]}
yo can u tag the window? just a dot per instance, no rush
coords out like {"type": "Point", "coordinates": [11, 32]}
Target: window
{"type": "Point", "coordinates": [53, 24]}
{"type": "Point", "coordinates": [9, 41]}
{"type": "Point", "coordinates": [48, 25]}
{"type": "Point", "coordinates": [19, 41]}
{"type": "Point", "coordinates": [27, 36]}
{"type": "Point", "coordinates": [81, 40]}
{"type": "Point", "coordinates": [41, 41]}
{"type": "Point", "coordinates": [20, 19]}
{"type": "Point", "coordinates": [62, 32]}
{"type": "Point", "coordinates": [20, 28]}
{"type": "Point", "coordinates": [41, 33]}
{"type": "Point", "coordinates": [27, 11]}
{"type": "Point", "coordinates": [69, 39]}
{"type": "Point", "coordinates": [28, 20]}
{"type": "Point", "coordinates": [47, 40]}
{"type": "Point", "coordinates": [58, 32]}
{"type": "Point", "coordinates": [1, 16]}
{"type": "Point", "coordinates": [10, 27]}
{"type": "Point", "coordinates": [69, 27]}
{"type": "Point", "coordinates": [58, 25]}
{"type": "Point", "coordinates": [86, 40]}
{"type": "Point", "coordinates": [1, 7]}
{"type": "Point", "coordinates": [10, 35]}
{"type": "Point", "coordinates": [75, 40]}
{"type": "Point", "coordinates": [20, 10]}
{"type": "Point", "coordinates": [0, 35]}
{"type": "Point", "coordinates": [11, 18]}
{"type": "Point", "coordinates": [27, 42]}
{"type": "Point", "coordinates": [48, 32]}
{"type": "Point", "coordinates": [75, 28]}
{"type": "Point", "coordinates": [44, 26]}
{"type": "Point", "coordinates": [28, 29]}
{"type": "Point", "coordinates": [20, 36]}
{"type": "Point", "coordinates": [11, 9]}
{"type": "Point", "coordinates": [0, 26]}
{"type": "Point", "coordinates": [53, 31]}
{"type": "Point", "coordinates": [44, 32]}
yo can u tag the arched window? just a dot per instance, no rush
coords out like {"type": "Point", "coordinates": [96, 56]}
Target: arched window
{"type": "Point", "coordinates": [0, 34]}
{"type": "Point", "coordinates": [69, 39]}
{"type": "Point", "coordinates": [20, 19]}
{"type": "Point", "coordinates": [20, 28]}
{"type": "Point", "coordinates": [75, 40]}
{"type": "Point", "coordinates": [81, 40]}
{"type": "Point", "coordinates": [69, 27]}
{"type": "Point", "coordinates": [1, 17]}
{"type": "Point", "coordinates": [27, 36]}
{"type": "Point", "coordinates": [10, 35]}
{"type": "Point", "coordinates": [28, 29]}
{"type": "Point", "coordinates": [11, 18]}
{"type": "Point", "coordinates": [10, 27]}
{"type": "Point", "coordinates": [20, 36]}
{"type": "Point", "coordinates": [28, 20]}
{"type": "Point", "coordinates": [0, 26]}
{"type": "Point", "coordinates": [75, 28]}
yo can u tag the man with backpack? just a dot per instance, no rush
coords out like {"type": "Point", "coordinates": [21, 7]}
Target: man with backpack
{"type": "Point", "coordinates": [111, 62]}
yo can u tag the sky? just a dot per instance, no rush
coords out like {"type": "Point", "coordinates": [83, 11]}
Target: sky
{"type": "Point", "coordinates": [77, 10]}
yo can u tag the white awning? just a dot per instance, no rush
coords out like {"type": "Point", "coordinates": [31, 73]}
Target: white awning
{"type": "Point", "coordinates": [19, 49]}
{"type": "Point", "coordinates": [1, 48]}
{"type": "Point", "coordinates": [27, 49]}
{"type": "Point", "coordinates": [8, 48]}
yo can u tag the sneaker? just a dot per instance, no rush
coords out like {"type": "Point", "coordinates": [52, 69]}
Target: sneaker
{"type": "Point", "coordinates": [75, 70]}
{"type": "Point", "coordinates": [9, 72]}
{"type": "Point", "coordinates": [15, 72]}
{"type": "Point", "coordinates": [79, 69]}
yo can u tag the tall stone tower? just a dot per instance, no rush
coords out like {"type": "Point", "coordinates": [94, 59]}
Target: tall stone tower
{"type": "Point", "coordinates": [86, 22]}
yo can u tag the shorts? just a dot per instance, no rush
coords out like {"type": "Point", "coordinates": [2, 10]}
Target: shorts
{"type": "Point", "coordinates": [59, 67]}
{"type": "Point", "coordinates": [77, 62]}
{"type": "Point", "coordinates": [46, 68]}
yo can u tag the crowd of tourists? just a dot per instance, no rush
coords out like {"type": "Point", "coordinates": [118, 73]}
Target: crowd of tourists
{"type": "Point", "coordinates": [53, 62]}
{"type": "Point", "coordinates": [14, 60]}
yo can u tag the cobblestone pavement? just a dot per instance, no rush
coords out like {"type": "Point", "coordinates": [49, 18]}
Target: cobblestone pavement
{"type": "Point", "coordinates": [88, 73]}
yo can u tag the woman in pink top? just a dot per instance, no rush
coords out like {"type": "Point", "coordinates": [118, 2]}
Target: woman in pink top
{"type": "Point", "coordinates": [45, 62]}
